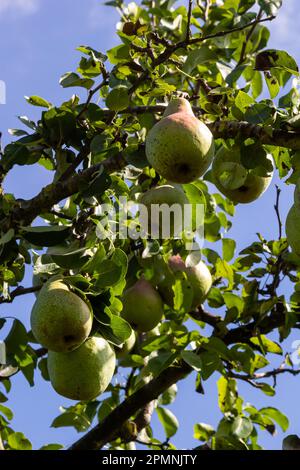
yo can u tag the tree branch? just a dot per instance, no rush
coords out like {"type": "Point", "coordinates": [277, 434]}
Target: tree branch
{"type": "Point", "coordinates": [17, 292]}
{"type": "Point", "coordinates": [277, 211]}
{"type": "Point", "coordinates": [171, 48]}
{"type": "Point", "coordinates": [106, 431]}
{"type": "Point", "coordinates": [248, 36]}
{"type": "Point", "coordinates": [189, 18]}
{"type": "Point", "coordinates": [28, 210]}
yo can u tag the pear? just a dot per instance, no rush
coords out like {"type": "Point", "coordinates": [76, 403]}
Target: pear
{"type": "Point", "coordinates": [127, 346]}
{"type": "Point", "coordinates": [142, 306]}
{"type": "Point", "coordinates": [85, 373]}
{"type": "Point", "coordinates": [235, 181]}
{"type": "Point", "coordinates": [180, 147]}
{"type": "Point", "coordinates": [171, 200]}
{"type": "Point", "coordinates": [60, 319]}
{"type": "Point", "coordinates": [198, 276]}
{"type": "Point", "coordinates": [297, 194]}
{"type": "Point", "coordinates": [292, 228]}
{"type": "Point", "coordinates": [291, 442]}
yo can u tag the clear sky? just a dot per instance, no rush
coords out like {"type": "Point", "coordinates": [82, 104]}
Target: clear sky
{"type": "Point", "coordinates": [38, 39]}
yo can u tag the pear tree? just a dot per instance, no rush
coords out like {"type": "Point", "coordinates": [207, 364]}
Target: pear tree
{"type": "Point", "coordinates": [191, 107]}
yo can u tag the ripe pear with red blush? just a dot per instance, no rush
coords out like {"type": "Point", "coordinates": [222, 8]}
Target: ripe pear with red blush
{"type": "Point", "coordinates": [197, 275]}
{"type": "Point", "coordinates": [180, 147]}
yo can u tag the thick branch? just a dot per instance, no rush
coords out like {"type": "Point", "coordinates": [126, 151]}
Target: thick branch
{"type": "Point", "coordinates": [107, 430]}
{"type": "Point", "coordinates": [56, 192]}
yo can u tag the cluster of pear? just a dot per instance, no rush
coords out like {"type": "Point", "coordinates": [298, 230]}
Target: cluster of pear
{"type": "Point", "coordinates": [181, 149]}
{"type": "Point", "coordinates": [80, 367]}
{"type": "Point", "coordinates": [143, 304]}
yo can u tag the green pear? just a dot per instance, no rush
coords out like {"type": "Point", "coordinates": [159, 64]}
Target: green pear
{"type": "Point", "coordinates": [169, 222]}
{"type": "Point", "coordinates": [291, 442]}
{"type": "Point", "coordinates": [60, 319]}
{"type": "Point", "coordinates": [180, 147]}
{"type": "Point", "coordinates": [85, 373]}
{"type": "Point", "coordinates": [235, 181]}
{"type": "Point", "coordinates": [127, 346]}
{"type": "Point", "coordinates": [297, 194]}
{"type": "Point", "coordinates": [142, 306]}
{"type": "Point", "coordinates": [292, 229]}
{"type": "Point", "coordinates": [198, 276]}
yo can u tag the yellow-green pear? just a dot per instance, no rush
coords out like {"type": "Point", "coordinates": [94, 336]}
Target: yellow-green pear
{"type": "Point", "coordinates": [142, 306]}
{"type": "Point", "coordinates": [236, 182]}
{"type": "Point", "coordinates": [60, 319]}
{"type": "Point", "coordinates": [198, 276]}
{"type": "Point", "coordinates": [180, 147]}
{"type": "Point", "coordinates": [127, 346]}
{"type": "Point", "coordinates": [85, 373]}
{"type": "Point", "coordinates": [292, 228]}
{"type": "Point", "coordinates": [165, 211]}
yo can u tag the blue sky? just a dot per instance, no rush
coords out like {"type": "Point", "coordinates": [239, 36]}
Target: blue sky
{"type": "Point", "coordinates": [38, 39]}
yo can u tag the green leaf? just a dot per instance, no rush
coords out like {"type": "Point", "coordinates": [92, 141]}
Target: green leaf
{"type": "Point", "coordinates": [227, 443]}
{"type": "Point", "coordinates": [267, 389]}
{"type": "Point", "coordinates": [118, 54]}
{"type": "Point", "coordinates": [159, 363]}
{"type": "Point", "coordinates": [6, 412]}
{"type": "Point", "coordinates": [68, 258]}
{"type": "Point", "coordinates": [100, 182]}
{"type": "Point", "coordinates": [228, 247]}
{"type": "Point", "coordinates": [17, 441]}
{"type": "Point", "coordinates": [232, 175]}
{"type": "Point", "coordinates": [46, 235]}
{"type": "Point", "coordinates": [197, 57]}
{"type": "Point", "coordinates": [38, 101]}
{"type": "Point", "coordinates": [227, 394]}
{"type": "Point", "coordinates": [52, 447]}
{"type": "Point", "coordinates": [224, 270]}
{"type": "Point", "coordinates": [276, 416]}
{"type": "Point", "coordinates": [267, 344]}
{"type": "Point", "coordinates": [168, 396]}
{"type": "Point", "coordinates": [71, 79]}
{"type": "Point", "coordinates": [217, 345]}
{"type": "Point", "coordinates": [71, 419]}
{"type": "Point", "coordinates": [273, 85]}
{"type": "Point", "coordinates": [118, 99]}
{"type": "Point", "coordinates": [192, 359]}
{"type": "Point", "coordinates": [112, 327]}
{"type": "Point", "coordinates": [7, 237]}
{"type": "Point", "coordinates": [210, 362]}
{"type": "Point", "coordinates": [203, 432]}
{"type": "Point", "coordinates": [270, 7]}
{"type": "Point", "coordinates": [243, 101]}
{"type": "Point", "coordinates": [168, 420]}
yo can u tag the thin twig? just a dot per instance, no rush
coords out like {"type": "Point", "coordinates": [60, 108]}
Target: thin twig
{"type": "Point", "coordinates": [189, 18]}
{"type": "Point", "coordinates": [276, 207]}
{"type": "Point", "coordinates": [164, 56]}
{"type": "Point", "coordinates": [229, 31]}
{"type": "Point", "coordinates": [248, 36]}
{"type": "Point", "coordinates": [17, 292]}
{"type": "Point", "coordinates": [61, 215]}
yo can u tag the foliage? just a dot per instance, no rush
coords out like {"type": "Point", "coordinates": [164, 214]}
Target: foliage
{"type": "Point", "coordinates": [216, 52]}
